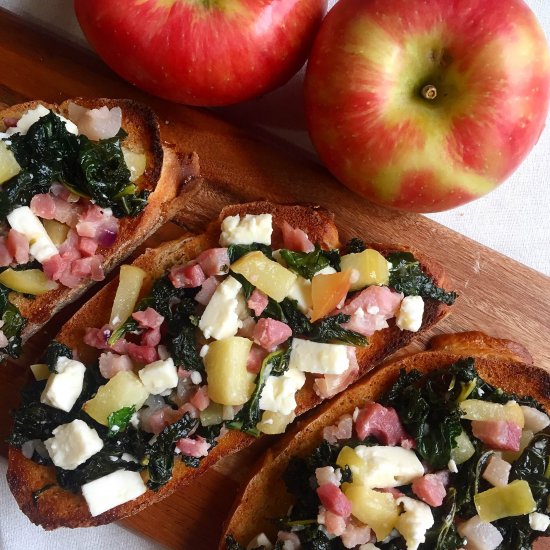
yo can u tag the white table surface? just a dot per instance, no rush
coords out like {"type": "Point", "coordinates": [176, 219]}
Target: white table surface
{"type": "Point", "coordinates": [514, 219]}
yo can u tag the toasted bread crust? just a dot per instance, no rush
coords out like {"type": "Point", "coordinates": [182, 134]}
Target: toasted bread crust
{"type": "Point", "coordinates": [252, 510]}
{"type": "Point", "coordinates": [57, 508]}
{"type": "Point", "coordinates": [164, 176]}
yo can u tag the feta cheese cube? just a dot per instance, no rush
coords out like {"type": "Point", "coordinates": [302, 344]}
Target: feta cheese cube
{"type": "Point", "coordinates": [32, 116]}
{"type": "Point", "coordinates": [221, 316]}
{"type": "Point", "coordinates": [387, 466]}
{"type": "Point", "coordinates": [247, 230]}
{"type": "Point", "coordinates": [72, 444]}
{"type": "Point", "coordinates": [112, 490]}
{"type": "Point", "coordinates": [410, 313]}
{"type": "Point", "coordinates": [414, 521]}
{"type": "Point", "coordinates": [159, 376]}
{"type": "Point", "coordinates": [23, 220]}
{"type": "Point", "coordinates": [65, 385]}
{"type": "Point", "coordinates": [538, 521]}
{"type": "Point", "coordinates": [329, 270]}
{"type": "Point", "coordinates": [279, 393]}
{"type": "Point", "coordinates": [301, 292]}
{"type": "Point", "coordinates": [320, 358]}
{"type": "Point", "coordinates": [260, 541]}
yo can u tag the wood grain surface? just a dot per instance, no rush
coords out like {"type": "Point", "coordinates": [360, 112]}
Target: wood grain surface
{"type": "Point", "coordinates": [497, 294]}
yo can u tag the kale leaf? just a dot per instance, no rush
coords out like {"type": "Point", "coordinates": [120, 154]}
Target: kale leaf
{"type": "Point", "coordinates": [275, 364]}
{"type": "Point", "coordinates": [54, 351]}
{"type": "Point", "coordinates": [330, 329]}
{"type": "Point", "coordinates": [406, 276]}
{"type": "Point", "coordinates": [307, 264]}
{"type": "Point", "coordinates": [13, 322]}
{"type": "Point", "coordinates": [232, 544]}
{"type": "Point", "coordinates": [161, 452]}
{"type": "Point", "coordinates": [355, 246]}
{"type": "Point", "coordinates": [48, 153]}
{"type": "Point", "coordinates": [118, 421]}
{"type": "Point", "coordinates": [429, 414]}
{"type": "Point", "coordinates": [236, 251]}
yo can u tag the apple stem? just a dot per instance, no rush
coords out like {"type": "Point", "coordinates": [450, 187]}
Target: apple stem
{"type": "Point", "coordinates": [429, 92]}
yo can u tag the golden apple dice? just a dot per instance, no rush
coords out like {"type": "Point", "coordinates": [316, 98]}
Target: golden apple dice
{"type": "Point", "coordinates": [136, 163]}
{"type": "Point", "coordinates": [514, 499]}
{"type": "Point", "coordinates": [27, 281]}
{"type": "Point", "coordinates": [129, 285]}
{"type": "Point", "coordinates": [274, 422]}
{"type": "Point", "coordinates": [464, 449]}
{"type": "Point", "coordinates": [123, 390]}
{"type": "Point", "coordinates": [9, 167]}
{"type": "Point", "coordinates": [265, 274]}
{"type": "Point", "coordinates": [229, 381]}
{"type": "Point", "coordinates": [327, 291]}
{"type": "Point", "coordinates": [377, 510]}
{"type": "Point", "coordinates": [57, 231]}
{"type": "Point", "coordinates": [476, 409]}
{"type": "Point", "coordinates": [371, 267]}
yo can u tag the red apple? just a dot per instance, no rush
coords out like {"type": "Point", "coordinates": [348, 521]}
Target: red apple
{"type": "Point", "coordinates": [202, 52]}
{"type": "Point", "coordinates": [424, 105]}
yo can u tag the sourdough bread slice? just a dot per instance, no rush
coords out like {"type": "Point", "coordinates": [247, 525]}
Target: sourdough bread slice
{"type": "Point", "coordinates": [56, 507]}
{"type": "Point", "coordinates": [264, 495]}
{"type": "Point", "coordinates": [165, 174]}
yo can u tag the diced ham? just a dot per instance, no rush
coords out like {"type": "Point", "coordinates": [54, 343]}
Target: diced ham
{"type": "Point", "coordinates": [96, 124]}
{"type": "Point", "coordinates": [334, 500]}
{"type": "Point", "coordinates": [148, 318]}
{"type": "Point", "coordinates": [187, 276]}
{"type": "Point", "coordinates": [255, 358]}
{"type": "Point", "coordinates": [393, 491]}
{"type": "Point", "coordinates": [96, 265]}
{"type": "Point", "coordinates": [334, 523]}
{"type": "Point", "coordinates": [331, 384]}
{"type": "Point", "coordinates": [343, 429]}
{"type": "Point", "coordinates": [10, 122]}
{"type": "Point", "coordinates": [204, 295]}
{"type": "Point", "coordinates": [355, 535]}
{"type": "Point", "coordinates": [382, 423]}
{"type": "Point", "coordinates": [214, 261]}
{"type": "Point", "coordinates": [371, 308]}
{"type": "Point", "coordinates": [326, 474]}
{"type": "Point", "coordinates": [18, 246]}
{"type": "Point", "coordinates": [200, 399]}
{"type": "Point", "coordinates": [70, 280]}
{"type": "Point", "coordinates": [269, 333]}
{"type": "Point", "coordinates": [187, 408]}
{"type": "Point", "coordinates": [3, 339]}
{"type": "Point", "coordinates": [6, 257]}
{"type": "Point", "coordinates": [497, 471]}
{"type": "Point", "coordinates": [296, 239]}
{"type": "Point", "coordinates": [257, 302]}
{"type": "Point", "coordinates": [480, 535]}
{"type": "Point", "coordinates": [193, 447]}
{"type": "Point", "coordinates": [153, 420]}
{"type": "Point", "coordinates": [142, 354]}
{"type": "Point", "coordinates": [97, 337]}
{"type": "Point", "coordinates": [290, 540]}
{"type": "Point", "coordinates": [111, 363]}
{"type": "Point", "coordinates": [69, 248]}
{"type": "Point", "coordinates": [94, 221]}
{"type": "Point", "coordinates": [43, 206]}
{"type": "Point", "coordinates": [66, 212]}
{"type": "Point", "coordinates": [499, 435]}
{"type": "Point", "coordinates": [87, 246]}
{"type": "Point", "coordinates": [430, 489]}
{"type": "Point", "coordinates": [54, 267]}
{"type": "Point", "coordinates": [151, 337]}
{"type": "Point", "coordinates": [59, 190]}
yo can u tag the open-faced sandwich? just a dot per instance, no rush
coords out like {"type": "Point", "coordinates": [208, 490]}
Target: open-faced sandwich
{"type": "Point", "coordinates": [82, 184]}
{"type": "Point", "coordinates": [443, 450]}
{"type": "Point", "coordinates": [202, 345]}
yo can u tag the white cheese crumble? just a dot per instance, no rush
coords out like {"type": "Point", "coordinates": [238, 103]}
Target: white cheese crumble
{"type": "Point", "coordinates": [538, 521]}
{"type": "Point", "coordinates": [319, 358]}
{"type": "Point", "coordinates": [196, 377]}
{"type": "Point", "coordinates": [535, 420]}
{"type": "Point", "coordinates": [247, 230]}
{"type": "Point", "coordinates": [452, 466]}
{"type": "Point", "coordinates": [221, 316]}
{"type": "Point", "coordinates": [24, 221]}
{"type": "Point", "coordinates": [279, 393]}
{"type": "Point", "coordinates": [387, 466]}
{"type": "Point", "coordinates": [204, 351]}
{"type": "Point", "coordinates": [301, 292]}
{"type": "Point", "coordinates": [410, 313]}
{"type": "Point", "coordinates": [72, 444]}
{"type": "Point", "coordinates": [112, 490]}
{"type": "Point", "coordinates": [65, 385]}
{"type": "Point", "coordinates": [159, 376]}
{"type": "Point", "coordinates": [260, 541]}
{"type": "Point", "coordinates": [32, 116]}
{"type": "Point", "coordinates": [414, 521]}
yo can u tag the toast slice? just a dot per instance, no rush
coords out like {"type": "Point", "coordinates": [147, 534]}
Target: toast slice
{"type": "Point", "coordinates": [502, 363]}
{"type": "Point", "coordinates": [166, 171]}
{"type": "Point", "coordinates": [57, 507]}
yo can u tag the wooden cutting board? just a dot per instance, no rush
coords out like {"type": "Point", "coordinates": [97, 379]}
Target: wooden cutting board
{"type": "Point", "coordinates": [497, 295]}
